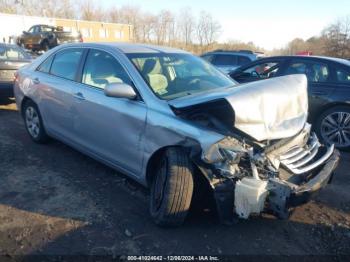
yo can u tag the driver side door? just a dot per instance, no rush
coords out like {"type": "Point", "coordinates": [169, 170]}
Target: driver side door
{"type": "Point", "coordinates": [108, 128]}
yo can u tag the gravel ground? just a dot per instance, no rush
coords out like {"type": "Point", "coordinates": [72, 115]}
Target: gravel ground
{"type": "Point", "coordinates": [56, 201]}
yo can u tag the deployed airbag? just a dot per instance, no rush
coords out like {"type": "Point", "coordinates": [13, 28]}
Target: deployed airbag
{"type": "Point", "coordinates": [271, 109]}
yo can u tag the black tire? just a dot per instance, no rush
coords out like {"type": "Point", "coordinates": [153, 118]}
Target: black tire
{"type": "Point", "coordinates": [172, 189]}
{"type": "Point", "coordinates": [45, 46]}
{"type": "Point", "coordinates": [33, 123]}
{"type": "Point", "coordinates": [329, 121]}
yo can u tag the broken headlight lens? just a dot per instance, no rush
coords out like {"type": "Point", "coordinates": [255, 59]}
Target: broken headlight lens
{"type": "Point", "coordinates": [228, 149]}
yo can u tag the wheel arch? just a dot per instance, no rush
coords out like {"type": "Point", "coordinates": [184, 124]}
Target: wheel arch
{"type": "Point", "coordinates": [23, 102]}
{"type": "Point", "coordinates": [314, 118]}
{"type": "Point", "coordinates": [153, 161]}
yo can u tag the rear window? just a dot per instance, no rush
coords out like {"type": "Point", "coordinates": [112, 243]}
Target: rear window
{"type": "Point", "coordinates": [242, 60]}
{"type": "Point", "coordinates": [11, 53]}
{"type": "Point", "coordinates": [225, 60]}
{"type": "Point", "coordinates": [65, 63]}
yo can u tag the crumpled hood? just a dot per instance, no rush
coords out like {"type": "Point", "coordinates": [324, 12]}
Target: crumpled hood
{"type": "Point", "coordinates": [270, 109]}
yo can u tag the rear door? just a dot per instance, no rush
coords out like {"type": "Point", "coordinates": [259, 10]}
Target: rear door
{"type": "Point", "coordinates": [108, 127]}
{"type": "Point", "coordinates": [342, 80]}
{"type": "Point", "coordinates": [320, 84]}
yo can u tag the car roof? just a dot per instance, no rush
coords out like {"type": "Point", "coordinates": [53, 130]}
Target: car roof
{"type": "Point", "coordinates": [239, 53]}
{"type": "Point", "coordinates": [324, 58]}
{"type": "Point", "coordinates": [130, 47]}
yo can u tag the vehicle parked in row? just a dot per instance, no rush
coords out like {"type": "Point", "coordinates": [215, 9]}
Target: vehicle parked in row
{"type": "Point", "coordinates": [328, 89]}
{"type": "Point", "coordinates": [11, 59]}
{"type": "Point", "coordinates": [167, 118]}
{"type": "Point", "coordinates": [44, 37]}
{"type": "Point", "coordinates": [227, 60]}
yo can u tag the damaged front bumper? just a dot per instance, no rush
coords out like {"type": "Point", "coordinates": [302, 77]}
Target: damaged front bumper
{"type": "Point", "coordinates": [294, 170]}
{"type": "Point", "coordinates": [285, 195]}
{"type": "Point", "coordinates": [302, 193]}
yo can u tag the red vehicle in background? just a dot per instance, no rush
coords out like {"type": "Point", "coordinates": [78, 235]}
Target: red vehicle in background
{"type": "Point", "coordinates": [305, 53]}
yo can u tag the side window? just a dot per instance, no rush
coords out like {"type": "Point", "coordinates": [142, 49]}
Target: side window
{"type": "Point", "coordinates": [65, 63]}
{"type": "Point", "coordinates": [46, 29]}
{"type": "Point", "coordinates": [102, 69]}
{"type": "Point", "coordinates": [263, 70]}
{"type": "Point", "coordinates": [3, 55]}
{"type": "Point", "coordinates": [225, 60]}
{"type": "Point", "coordinates": [342, 76]}
{"type": "Point", "coordinates": [315, 72]}
{"type": "Point", "coordinates": [242, 60]}
{"type": "Point", "coordinates": [14, 54]}
{"type": "Point", "coordinates": [36, 29]}
{"type": "Point", "coordinates": [45, 66]}
{"type": "Point", "coordinates": [11, 53]}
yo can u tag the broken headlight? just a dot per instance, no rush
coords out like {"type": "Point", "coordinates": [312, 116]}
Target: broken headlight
{"type": "Point", "coordinates": [227, 150]}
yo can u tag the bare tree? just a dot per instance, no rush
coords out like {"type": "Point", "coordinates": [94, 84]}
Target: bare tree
{"type": "Point", "coordinates": [91, 11]}
{"type": "Point", "coordinates": [337, 38]}
{"type": "Point", "coordinates": [163, 27]}
{"type": "Point", "coordinates": [8, 6]}
{"type": "Point", "coordinates": [208, 29]}
{"type": "Point", "coordinates": [131, 15]}
{"type": "Point", "coordinates": [146, 28]}
{"type": "Point", "coordinates": [186, 26]}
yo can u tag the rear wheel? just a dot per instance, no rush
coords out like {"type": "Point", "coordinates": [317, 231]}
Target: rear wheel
{"type": "Point", "coordinates": [33, 122]}
{"type": "Point", "coordinates": [172, 188]}
{"type": "Point", "coordinates": [333, 127]}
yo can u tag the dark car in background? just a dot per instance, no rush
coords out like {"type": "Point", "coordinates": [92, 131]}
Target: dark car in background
{"type": "Point", "coordinates": [44, 37]}
{"type": "Point", "coordinates": [12, 58]}
{"type": "Point", "coordinates": [328, 90]}
{"type": "Point", "coordinates": [227, 60]}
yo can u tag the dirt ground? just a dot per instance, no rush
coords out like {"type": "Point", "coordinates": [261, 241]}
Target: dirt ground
{"type": "Point", "coordinates": [56, 201]}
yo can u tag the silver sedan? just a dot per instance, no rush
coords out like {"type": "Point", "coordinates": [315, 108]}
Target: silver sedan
{"type": "Point", "coordinates": [167, 118]}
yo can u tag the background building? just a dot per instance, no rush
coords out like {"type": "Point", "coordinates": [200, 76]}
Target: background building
{"type": "Point", "coordinates": [13, 25]}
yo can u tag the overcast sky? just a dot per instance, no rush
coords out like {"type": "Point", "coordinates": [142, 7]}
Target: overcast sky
{"type": "Point", "coordinates": [268, 23]}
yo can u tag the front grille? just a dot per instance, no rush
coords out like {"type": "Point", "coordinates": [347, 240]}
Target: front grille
{"type": "Point", "coordinates": [303, 159]}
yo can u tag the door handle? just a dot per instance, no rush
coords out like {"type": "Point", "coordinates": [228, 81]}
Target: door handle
{"type": "Point", "coordinates": [36, 81]}
{"type": "Point", "coordinates": [79, 96]}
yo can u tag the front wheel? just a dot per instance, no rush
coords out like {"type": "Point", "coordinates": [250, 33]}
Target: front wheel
{"type": "Point", "coordinates": [34, 123]}
{"type": "Point", "coordinates": [172, 188]}
{"type": "Point", "coordinates": [333, 127]}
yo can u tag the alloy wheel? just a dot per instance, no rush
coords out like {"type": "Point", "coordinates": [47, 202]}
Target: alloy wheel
{"type": "Point", "coordinates": [32, 121]}
{"type": "Point", "coordinates": [335, 129]}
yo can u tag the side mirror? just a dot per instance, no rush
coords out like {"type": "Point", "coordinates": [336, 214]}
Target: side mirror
{"type": "Point", "coordinates": [120, 90]}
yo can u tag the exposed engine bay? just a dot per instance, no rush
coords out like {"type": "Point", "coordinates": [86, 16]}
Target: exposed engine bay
{"type": "Point", "coordinates": [269, 160]}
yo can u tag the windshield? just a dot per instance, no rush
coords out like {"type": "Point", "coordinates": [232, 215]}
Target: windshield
{"type": "Point", "coordinates": [172, 76]}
